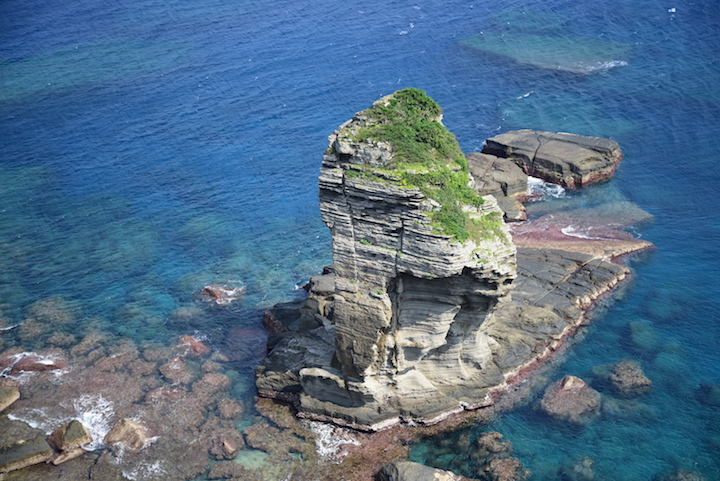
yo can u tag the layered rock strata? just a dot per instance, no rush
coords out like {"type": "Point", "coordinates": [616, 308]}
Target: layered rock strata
{"type": "Point", "coordinates": [417, 325]}
{"type": "Point", "coordinates": [503, 179]}
{"type": "Point", "coordinates": [566, 159]}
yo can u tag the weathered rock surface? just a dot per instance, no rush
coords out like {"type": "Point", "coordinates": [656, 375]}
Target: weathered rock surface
{"type": "Point", "coordinates": [409, 471]}
{"type": "Point", "coordinates": [129, 433]}
{"type": "Point", "coordinates": [408, 301]}
{"type": "Point", "coordinates": [25, 453]}
{"type": "Point", "coordinates": [625, 379]}
{"type": "Point", "coordinates": [409, 324]}
{"type": "Point", "coordinates": [503, 179]}
{"type": "Point", "coordinates": [8, 395]}
{"type": "Point", "coordinates": [69, 436]}
{"type": "Point", "coordinates": [571, 399]}
{"type": "Point", "coordinates": [566, 159]}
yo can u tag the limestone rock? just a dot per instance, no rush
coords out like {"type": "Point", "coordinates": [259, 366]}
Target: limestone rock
{"type": "Point", "coordinates": [571, 399]}
{"type": "Point", "coordinates": [8, 395]}
{"type": "Point", "coordinates": [506, 469]}
{"type": "Point", "coordinates": [626, 379]}
{"type": "Point", "coordinates": [25, 453]}
{"type": "Point", "coordinates": [566, 159]}
{"type": "Point", "coordinates": [503, 179]}
{"type": "Point", "coordinates": [411, 324]}
{"type": "Point", "coordinates": [130, 434]}
{"type": "Point", "coordinates": [409, 471]}
{"type": "Point", "coordinates": [70, 436]}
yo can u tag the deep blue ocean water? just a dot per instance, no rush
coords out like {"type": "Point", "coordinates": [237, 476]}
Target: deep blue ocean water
{"type": "Point", "coordinates": [149, 148]}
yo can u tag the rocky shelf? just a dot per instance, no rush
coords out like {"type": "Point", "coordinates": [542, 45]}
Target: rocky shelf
{"type": "Point", "coordinates": [418, 319]}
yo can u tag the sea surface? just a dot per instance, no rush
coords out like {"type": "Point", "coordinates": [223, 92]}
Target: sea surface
{"type": "Point", "coordinates": [149, 148]}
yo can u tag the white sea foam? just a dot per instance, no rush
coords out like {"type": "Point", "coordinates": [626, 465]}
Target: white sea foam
{"type": "Point", "coordinates": [545, 189]}
{"type": "Point", "coordinates": [329, 439]}
{"type": "Point", "coordinates": [599, 66]}
{"type": "Point", "coordinates": [146, 471]}
{"type": "Point", "coordinates": [37, 419]}
{"type": "Point", "coordinates": [95, 413]}
{"type": "Point", "coordinates": [573, 232]}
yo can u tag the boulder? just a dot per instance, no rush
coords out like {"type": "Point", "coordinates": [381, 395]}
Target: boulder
{"type": "Point", "coordinates": [221, 295]}
{"type": "Point", "coordinates": [130, 434]}
{"type": "Point", "coordinates": [569, 160]}
{"type": "Point", "coordinates": [505, 469]}
{"type": "Point", "coordinates": [625, 379]}
{"type": "Point", "coordinates": [193, 346]}
{"type": "Point", "coordinates": [25, 453]}
{"type": "Point", "coordinates": [70, 436]}
{"type": "Point", "coordinates": [571, 399]}
{"type": "Point", "coordinates": [501, 178]}
{"type": "Point", "coordinates": [227, 445]}
{"type": "Point", "coordinates": [409, 471]}
{"type": "Point", "coordinates": [8, 395]}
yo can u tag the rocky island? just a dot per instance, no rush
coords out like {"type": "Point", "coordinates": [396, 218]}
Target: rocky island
{"type": "Point", "coordinates": [430, 308]}
{"type": "Point", "coordinates": [442, 300]}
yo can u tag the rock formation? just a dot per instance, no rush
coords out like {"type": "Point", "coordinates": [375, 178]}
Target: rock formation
{"type": "Point", "coordinates": [566, 159]}
{"type": "Point", "coordinates": [415, 320]}
{"type": "Point", "coordinates": [409, 471]}
{"type": "Point", "coordinates": [571, 399]}
{"type": "Point", "coordinates": [410, 293]}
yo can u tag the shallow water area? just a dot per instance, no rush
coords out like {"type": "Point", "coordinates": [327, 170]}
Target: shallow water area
{"type": "Point", "coordinates": [149, 149]}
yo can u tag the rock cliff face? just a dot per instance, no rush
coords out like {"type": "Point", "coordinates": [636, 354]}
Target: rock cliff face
{"type": "Point", "coordinates": [409, 300]}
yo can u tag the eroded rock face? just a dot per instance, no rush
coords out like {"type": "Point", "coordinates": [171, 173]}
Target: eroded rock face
{"type": "Point", "coordinates": [566, 159]}
{"type": "Point", "coordinates": [408, 301]}
{"type": "Point", "coordinates": [411, 324]}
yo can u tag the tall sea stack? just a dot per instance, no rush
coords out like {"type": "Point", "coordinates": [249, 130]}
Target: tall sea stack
{"type": "Point", "coordinates": [419, 261]}
{"type": "Point", "coordinates": [415, 319]}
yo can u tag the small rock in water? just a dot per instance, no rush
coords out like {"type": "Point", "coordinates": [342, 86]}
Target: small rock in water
{"type": "Point", "coordinates": [70, 436]}
{"type": "Point", "coordinates": [227, 445]}
{"type": "Point", "coordinates": [628, 379]}
{"type": "Point", "coordinates": [34, 363]}
{"type": "Point", "coordinates": [130, 434]}
{"type": "Point", "coordinates": [571, 399]}
{"type": "Point", "coordinates": [582, 470]}
{"type": "Point", "coordinates": [221, 295]}
{"type": "Point", "coordinates": [680, 475]}
{"type": "Point", "coordinates": [176, 371]}
{"type": "Point", "coordinates": [708, 394]}
{"type": "Point", "coordinates": [193, 346]}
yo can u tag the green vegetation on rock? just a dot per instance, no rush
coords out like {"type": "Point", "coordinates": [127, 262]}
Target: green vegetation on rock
{"type": "Point", "coordinates": [426, 156]}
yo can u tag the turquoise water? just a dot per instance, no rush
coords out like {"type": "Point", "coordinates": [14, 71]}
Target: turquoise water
{"type": "Point", "coordinates": [149, 148]}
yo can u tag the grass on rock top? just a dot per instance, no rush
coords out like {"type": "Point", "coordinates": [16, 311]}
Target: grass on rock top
{"type": "Point", "coordinates": [426, 156]}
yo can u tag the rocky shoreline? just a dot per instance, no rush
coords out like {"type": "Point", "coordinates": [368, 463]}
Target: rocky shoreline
{"type": "Point", "coordinates": [390, 336]}
{"type": "Point", "coordinates": [410, 332]}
